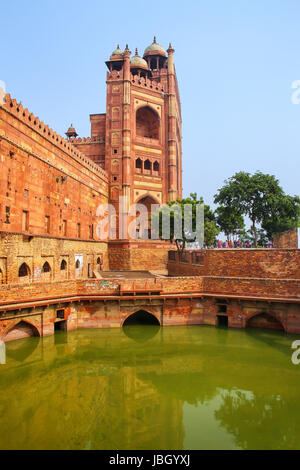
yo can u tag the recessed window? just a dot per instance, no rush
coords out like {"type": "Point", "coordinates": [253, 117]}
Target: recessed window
{"type": "Point", "coordinates": [115, 151]}
{"type": "Point", "coordinates": [60, 313]}
{"type": "Point", "coordinates": [25, 192]}
{"type": "Point", "coordinates": [25, 221]}
{"type": "Point", "coordinates": [24, 270]}
{"type": "Point", "coordinates": [147, 165]}
{"type": "Point", "coordinates": [63, 265]}
{"type": "Point", "coordinates": [47, 224]}
{"type": "Point", "coordinates": [138, 163]}
{"type": "Point", "coordinates": [64, 227]}
{"type": "Point", "coordinates": [7, 214]}
{"type": "Point", "coordinates": [46, 267]}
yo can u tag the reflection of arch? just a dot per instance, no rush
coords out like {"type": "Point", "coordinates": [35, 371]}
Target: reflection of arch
{"type": "Point", "coordinates": [264, 320]}
{"type": "Point", "coordinates": [141, 317]}
{"type": "Point", "coordinates": [24, 270]}
{"type": "Point", "coordinates": [21, 329]}
{"type": "Point", "coordinates": [63, 265]}
{"type": "Point", "coordinates": [147, 123]}
{"type": "Point", "coordinates": [46, 267]}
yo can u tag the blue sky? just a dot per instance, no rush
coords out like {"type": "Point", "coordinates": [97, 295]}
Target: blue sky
{"type": "Point", "coordinates": [235, 61]}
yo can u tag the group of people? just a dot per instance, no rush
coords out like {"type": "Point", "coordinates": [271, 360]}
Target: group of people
{"type": "Point", "coordinates": [239, 244]}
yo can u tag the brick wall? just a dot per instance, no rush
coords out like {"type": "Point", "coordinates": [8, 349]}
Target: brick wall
{"type": "Point", "coordinates": [287, 239]}
{"type": "Point", "coordinates": [257, 263]}
{"type": "Point", "coordinates": [16, 249]}
{"type": "Point", "coordinates": [147, 256]}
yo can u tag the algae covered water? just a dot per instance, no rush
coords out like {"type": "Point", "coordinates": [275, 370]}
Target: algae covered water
{"type": "Point", "coordinates": [145, 387]}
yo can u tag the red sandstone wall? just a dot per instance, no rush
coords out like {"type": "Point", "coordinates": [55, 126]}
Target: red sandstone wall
{"type": "Point", "coordinates": [135, 256]}
{"type": "Point", "coordinates": [45, 175]}
{"type": "Point", "coordinates": [260, 263]}
{"type": "Point", "coordinates": [271, 288]}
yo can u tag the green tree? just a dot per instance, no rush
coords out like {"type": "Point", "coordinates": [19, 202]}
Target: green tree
{"type": "Point", "coordinates": [210, 228]}
{"type": "Point", "coordinates": [229, 220]}
{"type": "Point", "coordinates": [285, 216]}
{"type": "Point", "coordinates": [260, 197]}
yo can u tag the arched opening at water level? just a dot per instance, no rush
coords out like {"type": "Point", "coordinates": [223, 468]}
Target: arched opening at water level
{"type": "Point", "coordinates": [141, 318]}
{"type": "Point", "coordinates": [141, 326]}
{"type": "Point", "coordinates": [264, 320]}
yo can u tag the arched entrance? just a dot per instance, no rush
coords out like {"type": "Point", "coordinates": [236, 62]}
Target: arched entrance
{"type": "Point", "coordinates": [264, 320]}
{"type": "Point", "coordinates": [22, 329]}
{"type": "Point", "coordinates": [141, 326]}
{"type": "Point", "coordinates": [141, 317]}
{"type": "Point", "coordinates": [147, 201]}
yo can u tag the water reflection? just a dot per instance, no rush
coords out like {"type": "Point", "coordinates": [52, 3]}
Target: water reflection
{"type": "Point", "coordinates": [139, 334]}
{"type": "Point", "coordinates": [162, 388]}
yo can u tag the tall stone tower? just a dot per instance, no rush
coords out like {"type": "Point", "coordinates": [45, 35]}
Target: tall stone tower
{"type": "Point", "coordinates": [141, 128]}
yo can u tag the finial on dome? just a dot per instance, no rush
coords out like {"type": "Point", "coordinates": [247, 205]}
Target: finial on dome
{"type": "Point", "coordinates": [126, 48]}
{"type": "Point", "coordinates": [118, 46]}
{"type": "Point", "coordinates": [136, 51]}
{"type": "Point", "coordinates": [154, 40]}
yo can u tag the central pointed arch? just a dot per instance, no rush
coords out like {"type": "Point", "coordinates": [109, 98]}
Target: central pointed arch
{"type": "Point", "coordinates": [147, 201]}
{"type": "Point", "coordinates": [141, 317]}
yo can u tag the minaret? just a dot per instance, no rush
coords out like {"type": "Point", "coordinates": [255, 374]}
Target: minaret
{"type": "Point", "coordinates": [172, 150]}
{"type": "Point", "coordinates": [126, 133]}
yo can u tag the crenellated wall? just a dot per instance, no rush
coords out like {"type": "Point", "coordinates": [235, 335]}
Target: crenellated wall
{"type": "Point", "coordinates": [47, 187]}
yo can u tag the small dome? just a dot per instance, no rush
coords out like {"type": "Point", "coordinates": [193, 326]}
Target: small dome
{"type": "Point", "coordinates": [71, 132]}
{"type": "Point", "coordinates": [137, 62]}
{"type": "Point", "coordinates": [155, 49]}
{"type": "Point", "coordinates": [117, 51]}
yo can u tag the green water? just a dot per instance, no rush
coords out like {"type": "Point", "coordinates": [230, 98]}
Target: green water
{"type": "Point", "coordinates": [147, 387]}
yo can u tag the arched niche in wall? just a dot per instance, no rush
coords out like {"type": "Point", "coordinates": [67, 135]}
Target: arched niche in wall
{"type": "Point", "coordinates": [147, 123]}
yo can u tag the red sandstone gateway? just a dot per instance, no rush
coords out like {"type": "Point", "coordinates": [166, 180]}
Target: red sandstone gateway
{"type": "Point", "coordinates": [55, 273]}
